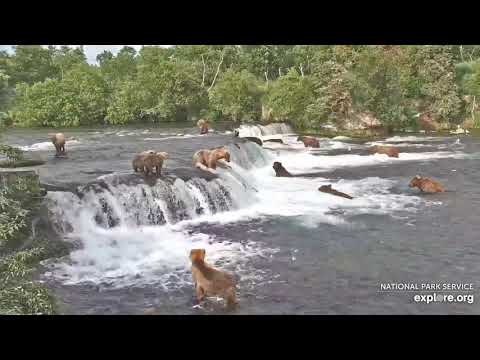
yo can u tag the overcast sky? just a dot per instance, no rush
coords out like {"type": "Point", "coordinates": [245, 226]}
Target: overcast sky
{"type": "Point", "coordinates": [91, 51]}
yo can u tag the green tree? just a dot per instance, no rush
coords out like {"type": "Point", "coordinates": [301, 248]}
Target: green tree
{"type": "Point", "coordinates": [78, 99]}
{"type": "Point", "coordinates": [118, 68]}
{"type": "Point", "coordinates": [32, 63]}
{"type": "Point", "coordinates": [333, 101]}
{"type": "Point", "coordinates": [66, 58]}
{"type": "Point", "coordinates": [127, 104]}
{"type": "Point", "coordinates": [289, 96]}
{"type": "Point", "coordinates": [438, 91]}
{"type": "Point", "coordinates": [237, 95]}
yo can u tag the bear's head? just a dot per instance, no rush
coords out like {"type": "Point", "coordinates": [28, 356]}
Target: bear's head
{"type": "Point", "coordinates": [197, 255]}
{"type": "Point", "coordinates": [325, 188]}
{"type": "Point", "coordinates": [277, 165]}
{"type": "Point", "coordinates": [416, 181]}
{"type": "Point", "coordinates": [163, 155]}
{"type": "Point", "coordinates": [222, 153]}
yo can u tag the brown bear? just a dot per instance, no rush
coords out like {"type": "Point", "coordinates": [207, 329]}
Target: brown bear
{"type": "Point", "coordinates": [149, 162]}
{"type": "Point", "coordinates": [309, 141]}
{"type": "Point", "coordinates": [426, 185]}
{"type": "Point", "coordinates": [207, 159]}
{"type": "Point", "coordinates": [138, 162]}
{"type": "Point", "coordinates": [390, 151]}
{"type": "Point", "coordinates": [59, 141]}
{"type": "Point", "coordinates": [329, 190]}
{"type": "Point", "coordinates": [209, 281]}
{"type": "Point", "coordinates": [280, 171]}
{"type": "Point", "coordinates": [203, 125]}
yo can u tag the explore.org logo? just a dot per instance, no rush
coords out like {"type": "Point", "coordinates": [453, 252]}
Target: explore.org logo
{"type": "Point", "coordinates": [440, 292]}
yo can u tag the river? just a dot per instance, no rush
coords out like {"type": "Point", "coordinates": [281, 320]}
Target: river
{"type": "Point", "coordinates": [293, 249]}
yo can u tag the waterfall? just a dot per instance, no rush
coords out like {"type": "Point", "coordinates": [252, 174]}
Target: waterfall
{"type": "Point", "coordinates": [264, 130]}
{"type": "Point", "coordinates": [114, 202]}
{"type": "Point", "coordinates": [127, 232]}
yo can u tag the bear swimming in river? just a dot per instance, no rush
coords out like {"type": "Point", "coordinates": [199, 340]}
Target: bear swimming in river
{"type": "Point", "coordinates": [426, 185]}
{"type": "Point", "coordinates": [390, 151]}
{"type": "Point", "coordinates": [329, 190]}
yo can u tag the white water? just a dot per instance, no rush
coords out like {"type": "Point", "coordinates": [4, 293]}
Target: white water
{"type": "Point", "coordinates": [264, 130]}
{"type": "Point", "coordinates": [47, 145]}
{"type": "Point", "coordinates": [142, 235]}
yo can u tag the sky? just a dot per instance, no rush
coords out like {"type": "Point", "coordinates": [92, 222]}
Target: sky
{"type": "Point", "coordinates": [91, 51]}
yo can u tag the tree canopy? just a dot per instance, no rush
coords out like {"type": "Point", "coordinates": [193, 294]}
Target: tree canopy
{"type": "Point", "coordinates": [306, 85]}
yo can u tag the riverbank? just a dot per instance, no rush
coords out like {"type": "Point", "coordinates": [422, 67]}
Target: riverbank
{"type": "Point", "coordinates": [24, 242]}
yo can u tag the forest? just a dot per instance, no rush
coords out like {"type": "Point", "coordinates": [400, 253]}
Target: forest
{"type": "Point", "coordinates": [307, 86]}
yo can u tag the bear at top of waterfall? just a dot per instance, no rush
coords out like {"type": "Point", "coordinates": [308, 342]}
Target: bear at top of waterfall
{"type": "Point", "coordinates": [309, 141]}
{"type": "Point", "coordinates": [209, 281]}
{"type": "Point", "coordinates": [203, 125]}
{"type": "Point", "coordinates": [58, 140]}
{"type": "Point", "coordinates": [426, 185]}
{"type": "Point", "coordinates": [208, 159]}
{"type": "Point", "coordinates": [390, 151]}
{"type": "Point", "coordinates": [149, 162]}
{"type": "Point", "coordinates": [280, 171]}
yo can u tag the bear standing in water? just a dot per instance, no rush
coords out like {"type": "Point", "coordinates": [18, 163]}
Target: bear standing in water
{"type": "Point", "coordinates": [390, 151]}
{"type": "Point", "coordinates": [59, 141]}
{"type": "Point", "coordinates": [207, 159]}
{"type": "Point", "coordinates": [280, 171]}
{"type": "Point", "coordinates": [209, 281]}
{"type": "Point", "coordinates": [426, 185]}
{"type": "Point", "coordinates": [203, 125]}
{"type": "Point", "coordinates": [309, 141]}
{"type": "Point", "coordinates": [149, 162]}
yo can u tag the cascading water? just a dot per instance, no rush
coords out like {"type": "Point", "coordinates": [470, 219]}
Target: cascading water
{"type": "Point", "coordinates": [129, 229]}
{"type": "Point", "coordinates": [264, 130]}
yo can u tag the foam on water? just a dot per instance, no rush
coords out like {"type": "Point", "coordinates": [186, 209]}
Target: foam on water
{"type": "Point", "coordinates": [306, 162]}
{"type": "Point", "coordinates": [176, 136]}
{"type": "Point", "coordinates": [412, 139]}
{"type": "Point", "coordinates": [125, 256]}
{"type": "Point", "coordinates": [46, 145]}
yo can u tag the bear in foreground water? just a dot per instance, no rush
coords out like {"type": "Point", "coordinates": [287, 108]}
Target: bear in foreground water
{"type": "Point", "coordinates": [426, 185]}
{"type": "Point", "coordinates": [390, 151]}
{"type": "Point", "coordinates": [209, 281]}
{"type": "Point", "coordinates": [149, 162]}
{"type": "Point", "coordinates": [59, 141]}
{"type": "Point", "coordinates": [329, 190]}
{"type": "Point", "coordinates": [309, 141]}
{"type": "Point", "coordinates": [208, 159]}
{"type": "Point", "coordinates": [280, 171]}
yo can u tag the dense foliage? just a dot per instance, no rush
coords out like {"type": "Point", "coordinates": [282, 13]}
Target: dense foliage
{"type": "Point", "coordinates": [306, 85]}
{"type": "Point", "coordinates": [20, 201]}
